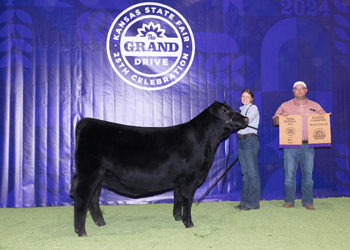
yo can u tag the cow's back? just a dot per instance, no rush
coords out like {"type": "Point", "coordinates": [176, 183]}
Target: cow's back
{"type": "Point", "coordinates": [104, 138]}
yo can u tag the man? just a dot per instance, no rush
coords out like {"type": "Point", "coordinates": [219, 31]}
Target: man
{"type": "Point", "coordinates": [300, 105]}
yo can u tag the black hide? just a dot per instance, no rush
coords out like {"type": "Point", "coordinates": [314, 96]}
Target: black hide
{"type": "Point", "coordinates": [139, 161]}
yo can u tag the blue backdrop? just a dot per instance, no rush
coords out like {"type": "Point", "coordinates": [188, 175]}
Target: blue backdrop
{"type": "Point", "coordinates": [64, 60]}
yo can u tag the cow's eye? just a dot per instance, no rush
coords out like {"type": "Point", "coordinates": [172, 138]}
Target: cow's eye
{"type": "Point", "coordinates": [225, 110]}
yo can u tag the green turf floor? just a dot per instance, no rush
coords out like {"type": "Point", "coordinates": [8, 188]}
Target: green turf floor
{"type": "Point", "coordinates": [217, 226]}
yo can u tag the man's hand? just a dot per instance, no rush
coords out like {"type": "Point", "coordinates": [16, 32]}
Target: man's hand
{"type": "Point", "coordinates": [321, 112]}
{"type": "Point", "coordinates": [276, 120]}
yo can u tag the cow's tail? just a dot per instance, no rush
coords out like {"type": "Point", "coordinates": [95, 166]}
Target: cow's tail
{"type": "Point", "coordinates": [73, 185]}
{"type": "Point", "coordinates": [79, 126]}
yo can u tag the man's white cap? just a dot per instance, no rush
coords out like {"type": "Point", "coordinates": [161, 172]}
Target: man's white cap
{"type": "Point", "coordinates": [299, 83]}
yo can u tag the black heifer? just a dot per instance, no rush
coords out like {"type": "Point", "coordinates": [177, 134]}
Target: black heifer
{"type": "Point", "coordinates": [139, 161]}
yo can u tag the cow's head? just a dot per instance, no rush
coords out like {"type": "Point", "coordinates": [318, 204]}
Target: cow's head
{"type": "Point", "coordinates": [231, 119]}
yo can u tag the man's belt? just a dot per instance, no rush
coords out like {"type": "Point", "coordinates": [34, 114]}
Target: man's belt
{"type": "Point", "coordinates": [240, 137]}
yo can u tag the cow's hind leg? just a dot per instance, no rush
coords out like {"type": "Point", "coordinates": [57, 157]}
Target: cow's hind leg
{"type": "Point", "coordinates": [94, 208]}
{"type": "Point", "coordinates": [80, 210]}
{"type": "Point", "coordinates": [178, 201]}
{"type": "Point", "coordinates": [82, 197]}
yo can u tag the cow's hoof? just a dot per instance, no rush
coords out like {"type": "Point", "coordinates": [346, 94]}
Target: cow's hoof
{"type": "Point", "coordinates": [81, 234]}
{"type": "Point", "coordinates": [189, 225]}
{"type": "Point", "coordinates": [100, 224]}
{"type": "Point", "coordinates": [178, 218]}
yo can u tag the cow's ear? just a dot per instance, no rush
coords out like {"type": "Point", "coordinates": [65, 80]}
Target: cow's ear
{"type": "Point", "coordinates": [225, 103]}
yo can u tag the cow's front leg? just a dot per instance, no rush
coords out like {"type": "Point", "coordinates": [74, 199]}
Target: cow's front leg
{"type": "Point", "coordinates": [94, 208]}
{"type": "Point", "coordinates": [177, 211]}
{"type": "Point", "coordinates": [187, 194]}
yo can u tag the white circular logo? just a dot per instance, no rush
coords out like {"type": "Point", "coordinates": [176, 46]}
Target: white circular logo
{"type": "Point", "coordinates": [150, 46]}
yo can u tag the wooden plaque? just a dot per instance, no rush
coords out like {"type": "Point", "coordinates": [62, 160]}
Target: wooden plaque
{"type": "Point", "coordinates": [290, 128]}
{"type": "Point", "coordinates": [319, 130]}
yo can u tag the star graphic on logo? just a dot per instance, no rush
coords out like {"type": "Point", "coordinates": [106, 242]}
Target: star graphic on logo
{"type": "Point", "coordinates": [151, 31]}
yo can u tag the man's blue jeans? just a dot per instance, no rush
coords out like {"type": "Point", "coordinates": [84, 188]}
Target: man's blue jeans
{"type": "Point", "coordinates": [305, 157]}
{"type": "Point", "coordinates": [248, 150]}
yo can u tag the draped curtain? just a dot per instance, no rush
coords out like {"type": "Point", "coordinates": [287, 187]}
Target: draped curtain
{"type": "Point", "coordinates": [54, 70]}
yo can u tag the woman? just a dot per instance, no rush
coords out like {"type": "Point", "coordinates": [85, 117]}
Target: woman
{"type": "Point", "coordinates": [248, 149]}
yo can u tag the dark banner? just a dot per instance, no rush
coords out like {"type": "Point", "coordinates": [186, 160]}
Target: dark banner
{"type": "Point", "coordinates": [159, 64]}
